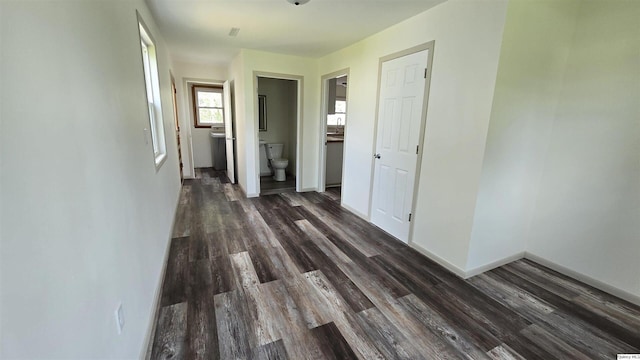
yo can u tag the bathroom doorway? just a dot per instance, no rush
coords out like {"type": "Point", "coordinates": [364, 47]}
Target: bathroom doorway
{"type": "Point", "coordinates": [278, 128]}
{"type": "Point", "coordinates": [332, 134]}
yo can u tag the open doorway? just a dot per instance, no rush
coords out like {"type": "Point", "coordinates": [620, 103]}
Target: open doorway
{"type": "Point", "coordinates": [211, 127]}
{"type": "Point", "coordinates": [278, 117]}
{"type": "Point", "coordinates": [333, 125]}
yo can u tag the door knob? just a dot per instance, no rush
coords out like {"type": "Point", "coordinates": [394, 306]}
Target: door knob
{"type": "Point", "coordinates": [377, 156]}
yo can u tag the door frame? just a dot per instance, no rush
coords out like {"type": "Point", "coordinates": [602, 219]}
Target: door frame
{"type": "Point", "coordinates": [176, 121]}
{"type": "Point", "coordinates": [256, 138]}
{"type": "Point", "coordinates": [324, 101]}
{"type": "Point", "coordinates": [187, 82]}
{"type": "Point", "coordinates": [423, 124]}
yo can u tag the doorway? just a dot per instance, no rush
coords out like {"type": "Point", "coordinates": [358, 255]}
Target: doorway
{"type": "Point", "coordinates": [278, 129]}
{"type": "Point", "coordinates": [211, 126]}
{"type": "Point", "coordinates": [332, 132]}
{"type": "Point", "coordinates": [402, 102]}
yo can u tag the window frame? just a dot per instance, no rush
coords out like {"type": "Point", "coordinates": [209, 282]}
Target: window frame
{"type": "Point", "coordinates": [196, 108]}
{"type": "Point", "coordinates": [151, 76]}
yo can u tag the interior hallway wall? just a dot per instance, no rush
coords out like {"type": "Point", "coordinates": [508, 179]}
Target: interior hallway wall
{"type": "Point", "coordinates": [85, 217]}
{"type": "Point", "coordinates": [243, 68]}
{"type": "Point", "coordinates": [533, 58]}
{"type": "Point", "coordinates": [467, 38]}
{"type": "Point", "coordinates": [587, 212]}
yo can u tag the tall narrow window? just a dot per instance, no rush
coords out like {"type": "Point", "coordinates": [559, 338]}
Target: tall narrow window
{"type": "Point", "coordinates": [152, 86]}
{"type": "Point", "coordinates": [208, 107]}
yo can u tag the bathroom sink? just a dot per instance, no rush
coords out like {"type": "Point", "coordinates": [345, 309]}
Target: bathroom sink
{"type": "Point", "coordinates": [216, 135]}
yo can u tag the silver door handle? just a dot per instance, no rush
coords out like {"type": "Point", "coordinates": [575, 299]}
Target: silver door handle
{"type": "Point", "coordinates": [377, 156]}
{"type": "Point", "coordinates": [231, 138]}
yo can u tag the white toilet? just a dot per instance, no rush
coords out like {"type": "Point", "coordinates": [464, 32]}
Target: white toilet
{"type": "Point", "coordinates": [277, 162]}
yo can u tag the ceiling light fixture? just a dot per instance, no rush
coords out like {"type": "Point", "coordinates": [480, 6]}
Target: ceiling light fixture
{"type": "Point", "coordinates": [298, 2]}
{"type": "Point", "coordinates": [234, 31]}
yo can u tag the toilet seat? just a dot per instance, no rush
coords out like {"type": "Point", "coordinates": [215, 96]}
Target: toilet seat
{"type": "Point", "coordinates": [282, 163]}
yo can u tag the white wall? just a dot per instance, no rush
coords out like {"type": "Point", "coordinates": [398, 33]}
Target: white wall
{"type": "Point", "coordinates": [535, 48]}
{"type": "Point", "coordinates": [281, 116]}
{"type": "Point", "coordinates": [467, 47]}
{"type": "Point", "coordinates": [587, 215]}
{"type": "Point", "coordinates": [200, 153]}
{"type": "Point", "coordinates": [243, 68]}
{"type": "Point", "coordinates": [85, 217]}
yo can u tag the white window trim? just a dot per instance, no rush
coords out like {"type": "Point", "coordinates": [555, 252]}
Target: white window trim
{"type": "Point", "coordinates": [152, 93]}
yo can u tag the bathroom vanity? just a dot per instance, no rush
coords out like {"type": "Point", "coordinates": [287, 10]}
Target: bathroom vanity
{"type": "Point", "coordinates": [218, 150]}
{"type": "Point", "coordinates": [334, 159]}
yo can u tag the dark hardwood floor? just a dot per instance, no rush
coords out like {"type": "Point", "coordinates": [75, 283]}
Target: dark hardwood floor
{"type": "Point", "coordinates": [295, 276]}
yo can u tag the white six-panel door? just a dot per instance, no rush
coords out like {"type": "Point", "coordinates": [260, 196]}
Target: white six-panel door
{"type": "Point", "coordinates": [399, 125]}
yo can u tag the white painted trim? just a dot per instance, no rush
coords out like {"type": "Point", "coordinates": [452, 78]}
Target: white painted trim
{"type": "Point", "coordinates": [442, 262]}
{"type": "Point", "coordinates": [622, 294]}
{"type": "Point", "coordinates": [355, 212]}
{"type": "Point", "coordinates": [324, 102]}
{"type": "Point", "coordinates": [244, 191]}
{"type": "Point", "coordinates": [151, 327]}
{"type": "Point", "coordinates": [495, 264]}
{"type": "Point", "coordinates": [584, 278]}
{"type": "Point", "coordinates": [309, 189]}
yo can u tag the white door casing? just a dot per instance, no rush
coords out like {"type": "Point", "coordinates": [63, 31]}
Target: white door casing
{"type": "Point", "coordinates": [228, 131]}
{"type": "Point", "coordinates": [400, 109]}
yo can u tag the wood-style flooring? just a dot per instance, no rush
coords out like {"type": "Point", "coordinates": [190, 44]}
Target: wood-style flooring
{"type": "Point", "coordinates": [295, 276]}
{"type": "Point", "coordinates": [269, 186]}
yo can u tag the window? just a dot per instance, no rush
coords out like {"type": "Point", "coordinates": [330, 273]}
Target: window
{"type": "Point", "coordinates": [207, 105]}
{"type": "Point", "coordinates": [152, 86]}
{"type": "Point", "coordinates": [339, 118]}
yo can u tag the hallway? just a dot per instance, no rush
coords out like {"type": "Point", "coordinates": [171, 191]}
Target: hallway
{"type": "Point", "coordinates": [296, 276]}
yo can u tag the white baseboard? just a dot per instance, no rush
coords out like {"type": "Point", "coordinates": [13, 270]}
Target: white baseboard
{"type": "Point", "coordinates": [442, 262]}
{"type": "Point", "coordinates": [308, 189]}
{"type": "Point", "coordinates": [244, 191]}
{"type": "Point", "coordinates": [354, 211]}
{"type": "Point", "coordinates": [632, 298]}
{"type": "Point", "coordinates": [151, 327]}
{"type": "Point", "coordinates": [495, 264]}
{"type": "Point", "coordinates": [622, 294]}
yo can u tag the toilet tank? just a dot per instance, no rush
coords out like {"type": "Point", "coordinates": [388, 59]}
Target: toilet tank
{"type": "Point", "coordinates": [274, 151]}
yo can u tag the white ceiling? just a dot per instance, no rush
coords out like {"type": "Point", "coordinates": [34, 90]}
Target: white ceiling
{"type": "Point", "coordinates": [199, 30]}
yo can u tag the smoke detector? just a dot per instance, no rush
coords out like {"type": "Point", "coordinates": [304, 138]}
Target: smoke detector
{"type": "Point", "coordinates": [298, 2]}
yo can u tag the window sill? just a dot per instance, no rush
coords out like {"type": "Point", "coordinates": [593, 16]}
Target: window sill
{"type": "Point", "coordinates": [208, 126]}
{"type": "Point", "coordinates": [160, 159]}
